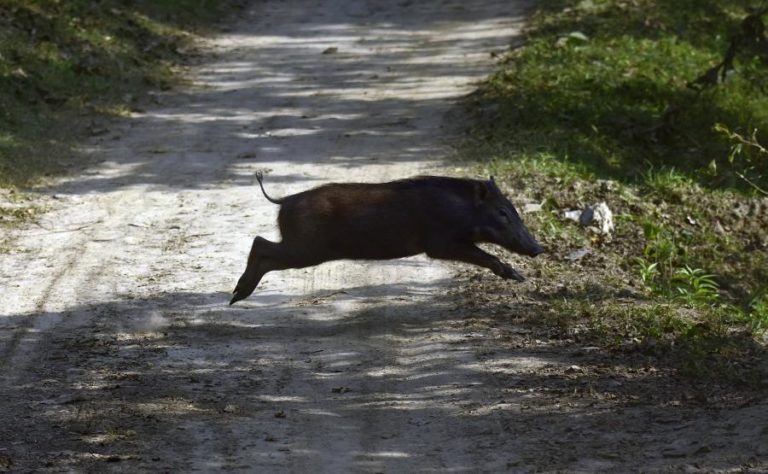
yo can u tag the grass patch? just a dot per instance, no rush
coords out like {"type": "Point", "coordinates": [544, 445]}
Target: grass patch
{"type": "Point", "coordinates": [605, 84]}
{"type": "Point", "coordinates": [63, 63]}
{"type": "Point", "coordinates": [603, 104]}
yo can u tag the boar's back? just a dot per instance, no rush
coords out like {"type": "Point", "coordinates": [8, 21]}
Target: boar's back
{"type": "Point", "coordinates": [378, 221]}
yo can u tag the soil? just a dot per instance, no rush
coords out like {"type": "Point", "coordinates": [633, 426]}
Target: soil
{"type": "Point", "coordinates": [119, 351]}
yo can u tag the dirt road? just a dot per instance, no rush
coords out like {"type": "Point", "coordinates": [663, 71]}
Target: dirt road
{"type": "Point", "coordinates": [119, 352]}
{"type": "Point", "coordinates": [118, 349]}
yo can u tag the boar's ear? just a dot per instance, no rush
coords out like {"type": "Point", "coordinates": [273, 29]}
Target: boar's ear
{"type": "Point", "coordinates": [493, 187]}
{"type": "Point", "coordinates": [481, 192]}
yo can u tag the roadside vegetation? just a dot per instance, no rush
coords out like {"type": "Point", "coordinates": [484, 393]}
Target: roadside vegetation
{"type": "Point", "coordinates": [660, 109]}
{"type": "Point", "coordinates": [67, 65]}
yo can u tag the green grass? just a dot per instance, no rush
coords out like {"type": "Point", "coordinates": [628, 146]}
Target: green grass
{"type": "Point", "coordinates": [595, 83]}
{"type": "Point", "coordinates": [597, 107]}
{"type": "Point", "coordinates": [64, 63]}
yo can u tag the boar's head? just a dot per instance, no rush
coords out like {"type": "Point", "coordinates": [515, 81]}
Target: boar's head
{"type": "Point", "coordinates": [498, 222]}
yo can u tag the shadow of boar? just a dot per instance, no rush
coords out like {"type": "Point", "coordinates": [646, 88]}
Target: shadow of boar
{"type": "Point", "coordinates": [442, 217]}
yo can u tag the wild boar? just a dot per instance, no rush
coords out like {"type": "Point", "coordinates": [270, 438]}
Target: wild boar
{"type": "Point", "coordinates": [442, 217]}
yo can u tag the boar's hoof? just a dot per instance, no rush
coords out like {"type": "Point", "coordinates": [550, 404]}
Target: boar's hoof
{"type": "Point", "coordinates": [236, 297]}
{"type": "Point", "coordinates": [240, 293]}
{"type": "Point", "coordinates": [509, 273]}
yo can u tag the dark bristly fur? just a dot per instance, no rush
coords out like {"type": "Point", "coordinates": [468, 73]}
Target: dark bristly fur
{"type": "Point", "coordinates": [442, 217]}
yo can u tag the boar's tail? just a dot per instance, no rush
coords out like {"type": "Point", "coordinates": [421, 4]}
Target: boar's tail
{"type": "Point", "coordinates": [260, 179]}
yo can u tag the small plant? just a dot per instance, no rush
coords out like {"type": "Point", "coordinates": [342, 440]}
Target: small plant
{"type": "Point", "coordinates": [648, 272]}
{"type": "Point", "coordinates": [757, 315]}
{"type": "Point", "coordinates": [696, 286]}
{"type": "Point", "coordinates": [665, 181]}
{"type": "Point", "coordinates": [663, 249]}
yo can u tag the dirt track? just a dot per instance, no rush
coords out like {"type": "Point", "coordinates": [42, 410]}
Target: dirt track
{"type": "Point", "coordinates": [119, 352]}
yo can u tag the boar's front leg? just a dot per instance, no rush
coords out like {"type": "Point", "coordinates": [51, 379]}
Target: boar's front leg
{"type": "Point", "coordinates": [470, 253]}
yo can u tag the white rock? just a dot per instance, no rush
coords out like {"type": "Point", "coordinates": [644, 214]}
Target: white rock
{"type": "Point", "coordinates": [532, 207]}
{"type": "Point", "coordinates": [573, 215]}
{"type": "Point", "coordinates": [600, 216]}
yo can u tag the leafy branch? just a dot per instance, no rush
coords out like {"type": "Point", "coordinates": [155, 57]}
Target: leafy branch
{"type": "Point", "coordinates": [740, 143]}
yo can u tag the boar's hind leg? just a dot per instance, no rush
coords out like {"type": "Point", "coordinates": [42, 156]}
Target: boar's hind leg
{"type": "Point", "coordinates": [269, 256]}
{"type": "Point", "coordinates": [258, 265]}
{"type": "Point", "coordinates": [469, 253]}
{"type": "Point", "coordinates": [287, 254]}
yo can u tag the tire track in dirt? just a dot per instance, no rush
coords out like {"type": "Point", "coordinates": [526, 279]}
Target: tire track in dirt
{"type": "Point", "coordinates": [33, 324]}
{"type": "Point", "coordinates": [65, 271]}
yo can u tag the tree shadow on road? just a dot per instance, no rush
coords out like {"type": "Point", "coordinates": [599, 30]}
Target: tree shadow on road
{"type": "Point", "coordinates": [277, 93]}
{"type": "Point", "coordinates": [398, 383]}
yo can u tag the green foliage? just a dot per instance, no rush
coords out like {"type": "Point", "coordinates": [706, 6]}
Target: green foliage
{"type": "Point", "coordinates": [695, 286]}
{"type": "Point", "coordinates": [747, 158]}
{"type": "Point", "coordinates": [605, 84]}
{"type": "Point", "coordinates": [662, 248]}
{"type": "Point", "coordinates": [597, 107]}
{"type": "Point", "coordinates": [648, 271]}
{"type": "Point", "coordinates": [665, 182]}
{"type": "Point", "coordinates": [756, 314]}
{"type": "Point", "coordinates": [61, 62]}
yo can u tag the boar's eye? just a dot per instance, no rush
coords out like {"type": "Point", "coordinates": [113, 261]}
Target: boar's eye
{"type": "Point", "coordinates": [504, 214]}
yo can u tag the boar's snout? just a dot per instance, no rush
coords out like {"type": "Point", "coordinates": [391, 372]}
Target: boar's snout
{"type": "Point", "coordinates": [528, 246]}
{"type": "Point", "coordinates": [536, 250]}
{"type": "Point", "coordinates": [522, 242]}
